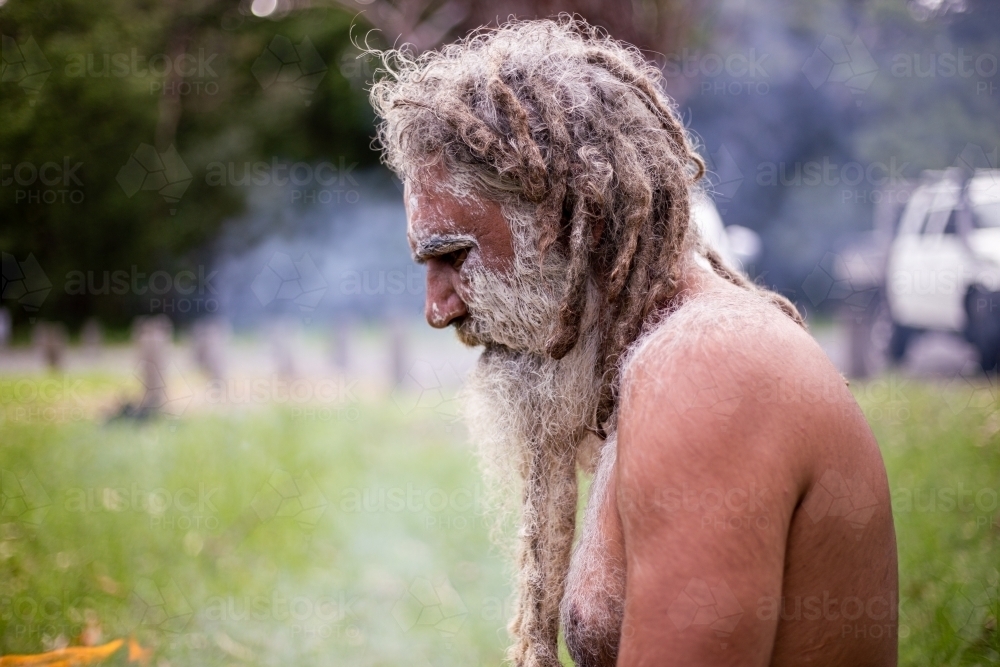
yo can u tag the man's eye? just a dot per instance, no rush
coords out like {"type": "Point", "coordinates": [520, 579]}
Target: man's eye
{"type": "Point", "coordinates": [457, 258]}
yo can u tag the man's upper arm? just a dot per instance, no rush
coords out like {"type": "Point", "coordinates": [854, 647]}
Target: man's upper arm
{"type": "Point", "coordinates": [705, 494]}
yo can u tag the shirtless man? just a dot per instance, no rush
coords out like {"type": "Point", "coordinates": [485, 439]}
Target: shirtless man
{"type": "Point", "coordinates": [739, 512]}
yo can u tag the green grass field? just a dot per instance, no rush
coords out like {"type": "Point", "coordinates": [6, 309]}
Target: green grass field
{"type": "Point", "coordinates": [276, 536]}
{"type": "Point", "coordinates": [941, 446]}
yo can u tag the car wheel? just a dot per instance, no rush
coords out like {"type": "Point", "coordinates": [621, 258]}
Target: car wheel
{"type": "Point", "coordinates": [900, 341]}
{"type": "Point", "coordinates": [982, 308]}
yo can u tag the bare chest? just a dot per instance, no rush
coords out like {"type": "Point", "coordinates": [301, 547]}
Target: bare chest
{"type": "Point", "coordinates": [593, 603]}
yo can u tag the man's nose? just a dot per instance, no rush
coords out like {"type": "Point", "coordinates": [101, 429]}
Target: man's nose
{"type": "Point", "coordinates": [443, 305]}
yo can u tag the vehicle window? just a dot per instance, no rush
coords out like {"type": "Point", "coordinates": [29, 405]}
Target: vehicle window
{"type": "Point", "coordinates": [941, 209]}
{"type": "Point", "coordinates": [986, 215]}
{"type": "Point", "coordinates": [951, 227]}
{"type": "Point", "coordinates": [984, 195]}
{"type": "Point", "coordinates": [915, 214]}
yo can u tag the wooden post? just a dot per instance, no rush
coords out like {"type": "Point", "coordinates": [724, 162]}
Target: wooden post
{"type": "Point", "coordinates": [92, 337]}
{"type": "Point", "coordinates": [50, 341]}
{"type": "Point", "coordinates": [6, 328]}
{"type": "Point", "coordinates": [153, 336]}
{"type": "Point", "coordinates": [340, 347]}
{"type": "Point", "coordinates": [210, 338]}
{"type": "Point", "coordinates": [282, 337]}
{"type": "Point", "coordinates": [398, 356]}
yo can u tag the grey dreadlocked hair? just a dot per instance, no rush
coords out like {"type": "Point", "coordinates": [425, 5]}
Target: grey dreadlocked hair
{"type": "Point", "coordinates": [556, 115]}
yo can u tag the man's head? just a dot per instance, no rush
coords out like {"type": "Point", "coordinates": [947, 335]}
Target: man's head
{"type": "Point", "coordinates": [564, 135]}
{"type": "Point", "coordinates": [547, 190]}
{"type": "Point", "coordinates": [485, 275]}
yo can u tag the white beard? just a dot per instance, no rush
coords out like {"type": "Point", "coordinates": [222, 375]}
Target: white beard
{"type": "Point", "coordinates": [530, 417]}
{"type": "Point", "coordinates": [518, 397]}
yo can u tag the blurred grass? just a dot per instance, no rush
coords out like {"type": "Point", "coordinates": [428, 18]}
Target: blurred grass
{"type": "Point", "coordinates": [262, 537]}
{"type": "Point", "coordinates": [941, 448]}
{"type": "Point", "coordinates": [275, 536]}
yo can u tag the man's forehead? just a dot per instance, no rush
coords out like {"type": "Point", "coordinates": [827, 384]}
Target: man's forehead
{"type": "Point", "coordinates": [427, 214]}
{"type": "Point", "coordinates": [441, 220]}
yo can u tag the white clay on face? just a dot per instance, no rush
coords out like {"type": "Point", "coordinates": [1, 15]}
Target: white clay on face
{"type": "Point", "coordinates": [436, 313]}
{"type": "Point", "coordinates": [425, 211]}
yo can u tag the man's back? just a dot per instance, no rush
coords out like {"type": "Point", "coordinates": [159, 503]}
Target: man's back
{"type": "Point", "coordinates": [747, 511]}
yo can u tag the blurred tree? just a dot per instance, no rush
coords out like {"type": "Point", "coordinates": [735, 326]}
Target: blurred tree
{"type": "Point", "coordinates": [111, 114]}
{"type": "Point", "coordinates": [938, 87]}
{"type": "Point", "coordinates": [126, 125]}
{"type": "Point", "coordinates": [908, 107]}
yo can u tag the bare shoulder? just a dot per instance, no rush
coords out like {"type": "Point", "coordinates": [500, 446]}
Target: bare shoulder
{"type": "Point", "coordinates": [730, 347]}
{"type": "Point", "coordinates": [732, 416]}
{"type": "Point", "coordinates": [728, 376]}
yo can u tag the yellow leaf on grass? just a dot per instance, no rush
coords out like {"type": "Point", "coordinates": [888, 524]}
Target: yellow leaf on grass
{"type": "Point", "coordinates": [64, 657]}
{"type": "Point", "coordinates": [136, 653]}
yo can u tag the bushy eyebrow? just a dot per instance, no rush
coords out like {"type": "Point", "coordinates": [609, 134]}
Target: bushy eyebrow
{"type": "Point", "coordinates": [437, 245]}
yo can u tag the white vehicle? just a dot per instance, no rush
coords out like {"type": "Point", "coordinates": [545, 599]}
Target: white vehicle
{"type": "Point", "coordinates": [737, 245]}
{"type": "Point", "coordinates": [942, 268]}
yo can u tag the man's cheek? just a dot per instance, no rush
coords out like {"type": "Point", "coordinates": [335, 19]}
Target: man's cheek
{"type": "Point", "coordinates": [465, 292]}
